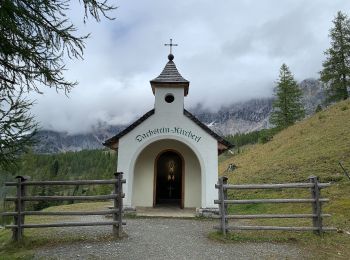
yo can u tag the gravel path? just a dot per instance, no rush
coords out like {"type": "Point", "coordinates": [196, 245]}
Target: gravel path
{"type": "Point", "coordinates": [160, 238]}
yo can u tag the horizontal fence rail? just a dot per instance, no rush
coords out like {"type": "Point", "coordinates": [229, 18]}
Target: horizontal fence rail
{"type": "Point", "coordinates": [276, 228]}
{"type": "Point", "coordinates": [62, 213]}
{"type": "Point", "coordinates": [76, 182]}
{"type": "Point", "coordinates": [19, 213]}
{"type": "Point", "coordinates": [273, 216]}
{"type": "Point", "coordinates": [315, 201]}
{"type": "Point", "coordinates": [272, 186]}
{"type": "Point", "coordinates": [257, 201]}
{"type": "Point", "coordinates": [58, 198]}
{"type": "Point", "coordinates": [68, 224]}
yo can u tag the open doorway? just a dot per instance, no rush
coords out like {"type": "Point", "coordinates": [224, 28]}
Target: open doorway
{"type": "Point", "coordinates": [169, 179]}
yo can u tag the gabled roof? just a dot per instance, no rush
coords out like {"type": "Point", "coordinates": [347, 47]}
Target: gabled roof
{"type": "Point", "coordinates": [170, 76]}
{"type": "Point", "coordinates": [111, 142]}
{"type": "Point", "coordinates": [220, 139]}
{"type": "Point", "coordinates": [223, 145]}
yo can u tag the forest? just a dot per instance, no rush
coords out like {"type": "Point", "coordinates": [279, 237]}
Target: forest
{"type": "Point", "coordinates": [86, 164]}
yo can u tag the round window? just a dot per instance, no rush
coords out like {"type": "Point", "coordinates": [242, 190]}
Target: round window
{"type": "Point", "coordinates": [169, 98]}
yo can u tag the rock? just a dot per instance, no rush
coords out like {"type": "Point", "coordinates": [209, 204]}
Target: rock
{"type": "Point", "coordinates": [207, 212]}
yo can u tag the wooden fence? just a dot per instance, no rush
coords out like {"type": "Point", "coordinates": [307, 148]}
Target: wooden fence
{"type": "Point", "coordinates": [315, 201]}
{"type": "Point", "coordinates": [21, 197]}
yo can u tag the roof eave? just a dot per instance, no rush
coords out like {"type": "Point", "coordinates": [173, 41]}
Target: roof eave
{"type": "Point", "coordinates": [113, 142]}
{"type": "Point", "coordinates": [225, 145]}
{"type": "Point", "coordinates": [164, 84]}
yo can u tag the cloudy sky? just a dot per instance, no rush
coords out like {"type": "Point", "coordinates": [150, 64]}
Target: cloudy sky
{"type": "Point", "coordinates": [229, 50]}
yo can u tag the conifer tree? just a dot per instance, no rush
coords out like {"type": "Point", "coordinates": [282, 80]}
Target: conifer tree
{"type": "Point", "coordinates": [336, 68]}
{"type": "Point", "coordinates": [318, 108]}
{"type": "Point", "coordinates": [36, 37]}
{"type": "Point", "coordinates": [287, 108]}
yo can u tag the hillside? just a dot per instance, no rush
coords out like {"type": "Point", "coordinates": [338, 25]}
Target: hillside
{"type": "Point", "coordinates": [313, 146]}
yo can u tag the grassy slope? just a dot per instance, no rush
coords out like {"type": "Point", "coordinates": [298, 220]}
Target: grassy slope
{"type": "Point", "coordinates": [311, 147]}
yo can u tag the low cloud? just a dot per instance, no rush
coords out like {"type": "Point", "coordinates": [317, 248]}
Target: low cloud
{"type": "Point", "coordinates": [230, 51]}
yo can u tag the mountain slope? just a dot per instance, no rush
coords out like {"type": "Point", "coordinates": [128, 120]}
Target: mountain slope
{"type": "Point", "coordinates": [313, 146]}
{"type": "Point", "coordinates": [239, 117]}
{"type": "Point", "coordinates": [313, 94]}
{"type": "Point", "coordinates": [57, 142]}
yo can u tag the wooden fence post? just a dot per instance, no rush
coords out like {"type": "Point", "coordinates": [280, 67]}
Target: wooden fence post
{"type": "Point", "coordinates": [316, 205]}
{"type": "Point", "coordinates": [222, 207]}
{"type": "Point", "coordinates": [17, 233]}
{"type": "Point", "coordinates": [118, 204]}
{"type": "Point", "coordinates": [224, 182]}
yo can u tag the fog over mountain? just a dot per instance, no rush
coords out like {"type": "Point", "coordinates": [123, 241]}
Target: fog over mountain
{"type": "Point", "coordinates": [230, 51]}
{"type": "Point", "coordinates": [240, 117]}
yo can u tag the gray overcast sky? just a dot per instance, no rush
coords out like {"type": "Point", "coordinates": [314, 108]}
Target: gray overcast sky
{"type": "Point", "coordinates": [229, 50]}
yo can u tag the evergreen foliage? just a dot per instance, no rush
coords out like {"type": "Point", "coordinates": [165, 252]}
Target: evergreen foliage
{"type": "Point", "coordinates": [336, 68]}
{"type": "Point", "coordinates": [287, 107]}
{"type": "Point", "coordinates": [241, 139]}
{"type": "Point", "coordinates": [86, 164]}
{"type": "Point", "coordinates": [318, 108]}
{"type": "Point", "coordinates": [35, 38]}
{"type": "Point", "coordinates": [261, 136]}
{"type": "Point", "coordinates": [266, 135]}
{"type": "Point", "coordinates": [17, 126]}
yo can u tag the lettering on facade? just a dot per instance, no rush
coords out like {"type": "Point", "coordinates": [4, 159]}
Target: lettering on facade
{"type": "Point", "coordinates": [167, 130]}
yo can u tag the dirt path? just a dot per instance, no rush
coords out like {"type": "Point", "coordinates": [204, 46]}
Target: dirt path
{"type": "Point", "coordinates": [160, 238]}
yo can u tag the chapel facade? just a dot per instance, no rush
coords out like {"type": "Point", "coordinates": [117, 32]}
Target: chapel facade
{"type": "Point", "coordinates": [168, 156]}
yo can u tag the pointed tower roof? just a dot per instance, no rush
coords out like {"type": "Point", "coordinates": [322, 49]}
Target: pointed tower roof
{"type": "Point", "coordinates": [170, 77]}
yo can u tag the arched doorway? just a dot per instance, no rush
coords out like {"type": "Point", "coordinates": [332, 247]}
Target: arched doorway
{"type": "Point", "coordinates": [143, 184]}
{"type": "Point", "coordinates": [169, 175]}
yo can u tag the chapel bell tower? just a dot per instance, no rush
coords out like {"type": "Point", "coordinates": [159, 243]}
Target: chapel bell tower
{"type": "Point", "coordinates": [169, 89]}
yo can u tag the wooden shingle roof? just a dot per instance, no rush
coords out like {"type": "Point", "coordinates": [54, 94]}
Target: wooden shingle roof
{"type": "Point", "coordinates": [170, 76]}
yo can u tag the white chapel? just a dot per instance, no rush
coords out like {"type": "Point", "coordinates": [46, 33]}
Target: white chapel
{"type": "Point", "coordinates": [168, 156]}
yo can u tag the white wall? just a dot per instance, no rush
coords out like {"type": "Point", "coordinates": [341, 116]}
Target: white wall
{"type": "Point", "coordinates": [162, 107]}
{"type": "Point", "coordinates": [202, 145]}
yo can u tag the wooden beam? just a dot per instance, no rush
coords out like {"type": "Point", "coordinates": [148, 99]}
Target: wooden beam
{"type": "Point", "coordinates": [256, 201]}
{"type": "Point", "coordinates": [273, 216]}
{"type": "Point", "coordinates": [61, 213]}
{"type": "Point", "coordinates": [272, 186]}
{"type": "Point", "coordinates": [76, 182]}
{"type": "Point", "coordinates": [68, 224]}
{"type": "Point", "coordinates": [276, 228]}
{"type": "Point", "coordinates": [55, 198]}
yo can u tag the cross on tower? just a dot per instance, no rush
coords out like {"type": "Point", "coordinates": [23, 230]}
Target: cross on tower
{"type": "Point", "coordinates": [171, 44]}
